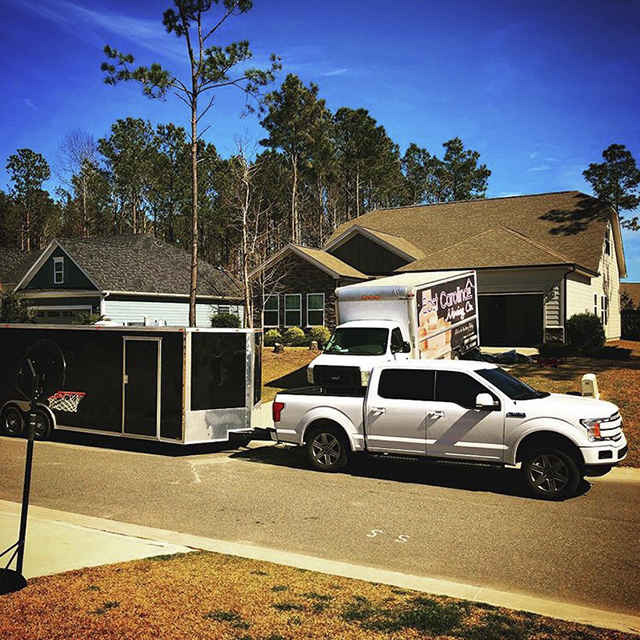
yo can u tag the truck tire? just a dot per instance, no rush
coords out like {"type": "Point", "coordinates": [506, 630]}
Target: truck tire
{"type": "Point", "coordinates": [551, 474]}
{"type": "Point", "coordinates": [12, 421]}
{"type": "Point", "coordinates": [327, 449]}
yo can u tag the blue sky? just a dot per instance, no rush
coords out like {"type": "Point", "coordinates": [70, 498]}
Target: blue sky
{"type": "Point", "coordinates": [538, 88]}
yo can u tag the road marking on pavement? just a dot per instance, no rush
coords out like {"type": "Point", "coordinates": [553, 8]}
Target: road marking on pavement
{"type": "Point", "coordinates": [524, 602]}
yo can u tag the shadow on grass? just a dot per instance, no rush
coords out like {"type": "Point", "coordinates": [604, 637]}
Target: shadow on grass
{"type": "Point", "coordinates": [573, 368]}
{"type": "Point", "coordinates": [297, 378]}
{"type": "Point", "coordinates": [468, 477]}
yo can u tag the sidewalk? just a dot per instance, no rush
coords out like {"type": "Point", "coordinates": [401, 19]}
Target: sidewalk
{"type": "Point", "coordinates": [55, 543]}
{"type": "Point", "coordinates": [58, 541]}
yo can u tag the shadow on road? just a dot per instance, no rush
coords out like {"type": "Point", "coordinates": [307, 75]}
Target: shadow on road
{"type": "Point", "coordinates": [144, 446]}
{"type": "Point", "coordinates": [415, 471]}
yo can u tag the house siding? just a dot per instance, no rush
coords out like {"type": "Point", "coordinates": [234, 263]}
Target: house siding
{"type": "Point", "coordinates": [175, 314]}
{"type": "Point", "coordinates": [73, 276]}
{"type": "Point", "coordinates": [581, 291]}
{"type": "Point", "coordinates": [368, 256]}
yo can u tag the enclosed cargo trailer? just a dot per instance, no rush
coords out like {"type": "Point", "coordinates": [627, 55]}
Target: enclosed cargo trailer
{"type": "Point", "coordinates": [171, 384]}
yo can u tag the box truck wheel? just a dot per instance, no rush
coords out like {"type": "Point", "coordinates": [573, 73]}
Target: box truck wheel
{"type": "Point", "coordinates": [327, 448]}
{"type": "Point", "coordinates": [551, 474]}
{"type": "Point", "coordinates": [12, 421]}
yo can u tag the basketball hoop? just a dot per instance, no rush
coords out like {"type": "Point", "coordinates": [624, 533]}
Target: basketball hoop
{"type": "Point", "coordinates": [66, 400]}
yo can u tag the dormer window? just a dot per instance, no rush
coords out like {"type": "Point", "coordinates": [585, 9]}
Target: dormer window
{"type": "Point", "coordinates": [58, 270]}
{"type": "Point", "coordinates": [607, 241]}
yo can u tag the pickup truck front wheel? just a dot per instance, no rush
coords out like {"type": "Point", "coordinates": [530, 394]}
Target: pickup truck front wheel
{"type": "Point", "coordinates": [551, 474]}
{"type": "Point", "coordinates": [327, 449]}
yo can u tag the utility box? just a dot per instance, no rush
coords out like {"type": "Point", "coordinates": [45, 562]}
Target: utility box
{"type": "Point", "coordinates": [589, 386]}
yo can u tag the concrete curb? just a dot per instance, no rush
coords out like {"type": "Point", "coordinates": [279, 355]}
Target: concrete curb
{"type": "Point", "coordinates": [554, 609]}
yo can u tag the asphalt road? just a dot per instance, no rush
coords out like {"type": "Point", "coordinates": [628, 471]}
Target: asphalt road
{"type": "Point", "coordinates": [458, 523]}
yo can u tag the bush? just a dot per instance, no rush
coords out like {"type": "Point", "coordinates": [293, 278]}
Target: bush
{"type": "Point", "coordinates": [630, 324]}
{"type": "Point", "coordinates": [13, 309]}
{"type": "Point", "coordinates": [271, 337]}
{"type": "Point", "coordinates": [320, 334]}
{"type": "Point", "coordinates": [294, 336]}
{"type": "Point", "coordinates": [86, 317]}
{"type": "Point", "coordinates": [225, 320]}
{"type": "Point", "coordinates": [585, 333]}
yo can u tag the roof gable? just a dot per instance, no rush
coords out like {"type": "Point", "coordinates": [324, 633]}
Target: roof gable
{"type": "Point", "coordinates": [567, 223]}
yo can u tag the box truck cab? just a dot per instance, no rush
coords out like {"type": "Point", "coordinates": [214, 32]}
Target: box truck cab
{"type": "Point", "coordinates": [407, 316]}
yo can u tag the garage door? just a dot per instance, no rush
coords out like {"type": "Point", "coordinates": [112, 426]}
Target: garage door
{"type": "Point", "coordinates": [511, 321]}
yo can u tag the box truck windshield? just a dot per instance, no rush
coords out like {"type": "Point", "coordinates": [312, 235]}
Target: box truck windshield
{"type": "Point", "coordinates": [358, 341]}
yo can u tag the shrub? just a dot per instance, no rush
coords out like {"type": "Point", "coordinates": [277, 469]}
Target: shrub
{"type": "Point", "coordinates": [271, 337]}
{"type": "Point", "coordinates": [293, 336]}
{"type": "Point", "coordinates": [584, 332]}
{"type": "Point", "coordinates": [13, 309]}
{"type": "Point", "coordinates": [228, 320]}
{"type": "Point", "coordinates": [630, 324]}
{"type": "Point", "coordinates": [320, 334]}
{"type": "Point", "coordinates": [86, 317]}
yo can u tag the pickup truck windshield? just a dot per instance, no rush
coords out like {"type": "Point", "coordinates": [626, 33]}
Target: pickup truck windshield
{"type": "Point", "coordinates": [358, 341]}
{"type": "Point", "coordinates": [514, 388]}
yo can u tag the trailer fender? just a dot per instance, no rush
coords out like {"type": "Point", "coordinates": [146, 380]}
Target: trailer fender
{"type": "Point", "coordinates": [329, 414]}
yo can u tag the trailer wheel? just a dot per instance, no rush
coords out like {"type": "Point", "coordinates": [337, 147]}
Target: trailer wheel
{"type": "Point", "coordinates": [42, 428]}
{"type": "Point", "coordinates": [12, 421]}
{"type": "Point", "coordinates": [551, 474]}
{"type": "Point", "coordinates": [327, 448]}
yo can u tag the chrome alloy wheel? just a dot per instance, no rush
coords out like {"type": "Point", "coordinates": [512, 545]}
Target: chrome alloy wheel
{"type": "Point", "coordinates": [326, 449]}
{"type": "Point", "coordinates": [548, 473]}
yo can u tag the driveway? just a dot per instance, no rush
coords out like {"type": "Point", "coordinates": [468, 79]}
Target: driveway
{"type": "Point", "coordinates": [457, 523]}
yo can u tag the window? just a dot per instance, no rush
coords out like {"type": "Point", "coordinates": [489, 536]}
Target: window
{"type": "Point", "coordinates": [292, 310]}
{"type": "Point", "coordinates": [595, 304]}
{"type": "Point", "coordinates": [607, 241]}
{"type": "Point", "coordinates": [406, 384]}
{"type": "Point", "coordinates": [315, 309]}
{"type": "Point", "coordinates": [458, 388]}
{"type": "Point", "coordinates": [514, 388]}
{"type": "Point", "coordinates": [605, 310]}
{"type": "Point", "coordinates": [224, 308]}
{"type": "Point", "coordinates": [397, 343]}
{"type": "Point", "coordinates": [271, 311]}
{"type": "Point", "coordinates": [352, 341]}
{"type": "Point", "coordinates": [58, 270]}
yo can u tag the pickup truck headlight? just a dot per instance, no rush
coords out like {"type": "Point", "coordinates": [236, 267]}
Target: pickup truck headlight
{"type": "Point", "coordinates": [310, 375]}
{"type": "Point", "coordinates": [364, 378]}
{"type": "Point", "coordinates": [593, 428]}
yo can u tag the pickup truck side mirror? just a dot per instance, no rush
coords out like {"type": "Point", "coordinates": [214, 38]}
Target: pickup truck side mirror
{"type": "Point", "coordinates": [406, 347]}
{"type": "Point", "coordinates": [486, 401]}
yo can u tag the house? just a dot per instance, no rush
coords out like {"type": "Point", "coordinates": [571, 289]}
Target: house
{"type": "Point", "coordinates": [128, 279]}
{"type": "Point", "coordinates": [540, 259]}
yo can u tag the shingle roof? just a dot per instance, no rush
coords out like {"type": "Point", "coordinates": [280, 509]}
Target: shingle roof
{"type": "Point", "coordinates": [402, 244]}
{"type": "Point", "coordinates": [142, 264]}
{"type": "Point", "coordinates": [632, 289]}
{"type": "Point", "coordinates": [14, 264]}
{"type": "Point", "coordinates": [331, 262]}
{"type": "Point", "coordinates": [566, 223]}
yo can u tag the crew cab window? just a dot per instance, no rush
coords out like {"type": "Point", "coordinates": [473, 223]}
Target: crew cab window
{"type": "Point", "coordinates": [459, 388]}
{"type": "Point", "coordinates": [406, 384]}
{"type": "Point", "coordinates": [396, 341]}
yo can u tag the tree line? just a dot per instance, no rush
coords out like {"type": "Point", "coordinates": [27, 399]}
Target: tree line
{"type": "Point", "coordinates": [315, 170]}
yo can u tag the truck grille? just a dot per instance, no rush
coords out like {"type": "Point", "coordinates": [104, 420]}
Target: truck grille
{"type": "Point", "coordinates": [332, 376]}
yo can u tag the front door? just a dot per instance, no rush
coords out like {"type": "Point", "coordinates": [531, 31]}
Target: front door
{"type": "Point", "coordinates": [396, 411]}
{"type": "Point", "coordinates": [141, 386]}
{"type": "Point", "coordinates": [455, 428]}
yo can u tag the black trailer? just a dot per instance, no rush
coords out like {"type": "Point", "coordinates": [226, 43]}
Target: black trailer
{"type": "Point", "coordinates": [173, 384]}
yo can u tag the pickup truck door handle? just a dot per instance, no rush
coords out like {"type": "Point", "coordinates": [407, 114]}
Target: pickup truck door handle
{"type": "Point", "coordinates": [377, 411]}
{"type": "Point", "coordinates": [436, 414]}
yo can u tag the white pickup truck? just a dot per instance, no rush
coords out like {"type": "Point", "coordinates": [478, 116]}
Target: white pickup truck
{"type": "Point", "coordinates": [461, 410]}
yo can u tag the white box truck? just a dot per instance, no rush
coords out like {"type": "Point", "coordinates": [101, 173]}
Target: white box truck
{"type": "Point", "coordinates": [411, 315]}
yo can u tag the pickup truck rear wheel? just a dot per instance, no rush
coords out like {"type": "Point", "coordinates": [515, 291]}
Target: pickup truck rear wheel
{"type": "Point", "coordinates": [551, 474]}
{"type": "Point", "coordinates": [327, 449]}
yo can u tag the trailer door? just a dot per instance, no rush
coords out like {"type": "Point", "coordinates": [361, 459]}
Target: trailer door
{"type": "Point", "coordinates": [141, 357]}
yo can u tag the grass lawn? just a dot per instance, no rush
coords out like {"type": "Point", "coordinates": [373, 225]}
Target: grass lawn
{"type": "Point", "coordinates": [211, 596]}
{"type": "Point", "coordinates": [619, 382]}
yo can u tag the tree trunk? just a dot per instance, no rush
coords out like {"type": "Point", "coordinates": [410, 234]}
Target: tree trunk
{"type": "Point", "coordinates": [294, 203]}
{"type": "Point", "coordinates": [194, 211]}
{"type": "Point", "coordinates": [357, 192]}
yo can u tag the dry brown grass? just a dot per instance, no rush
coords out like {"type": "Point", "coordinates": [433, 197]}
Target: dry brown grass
{"type": "Point", "coordinates": [619, 382]}
{"type": "Point", "coordinates": [285, 370]}
{"type": "Point", "coordinates": [205, 595]}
